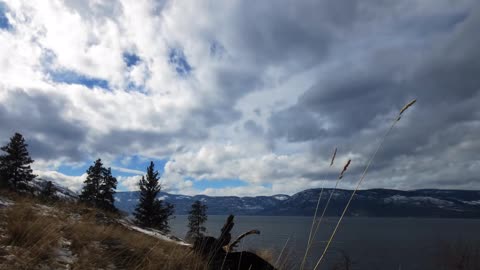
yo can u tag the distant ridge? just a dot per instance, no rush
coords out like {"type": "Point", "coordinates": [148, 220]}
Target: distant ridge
{"type": "Point", "coordinates": [367, 203]}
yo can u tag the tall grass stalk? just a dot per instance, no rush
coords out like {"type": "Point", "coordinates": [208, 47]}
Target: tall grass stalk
{"type": "Point", "coordinates": [310, 241]}
{"type": "Point", "coordinates": [319, 199]}
{"type": "Point", "coordinates": [281, 252]}
{"type": "Point", "coordinates": [362, 177]}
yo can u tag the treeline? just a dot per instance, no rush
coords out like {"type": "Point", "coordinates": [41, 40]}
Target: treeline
{"type": "Point", "coordinates": [98, 190]}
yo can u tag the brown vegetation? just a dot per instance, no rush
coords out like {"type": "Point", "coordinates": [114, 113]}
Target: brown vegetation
{"type": "Point", "coordinates": [460, 255]}
{"type": "Point", "coordinates": [72, 236]}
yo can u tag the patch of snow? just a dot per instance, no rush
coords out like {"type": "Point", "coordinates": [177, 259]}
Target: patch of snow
{"type": "Point", "coordinates": [45, 210]}
{"type": "Point", "coordinates": [60, 192]}
{"type": "Point", "coordinates": [281, 197]}
{"type": "Point", "coordinates": [163, 197]}
{"type": "Point", "coordinates": [64, 255]}
{"type": "Point", "coordinates": [154, 233]}
{"type": "Point", "coordinates": [5, 202]}
{"type": "Point", "coordinates": [417, 200]}
{"type": "Point", "coordinates": [250, 207]}
{"type": "Point", "coordinates": [181, 197]}
{"type": "Point", "coordinates": [472, 202]}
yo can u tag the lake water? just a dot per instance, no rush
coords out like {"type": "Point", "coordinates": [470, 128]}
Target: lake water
{"type": "Point", "coordinates": [371, 243]}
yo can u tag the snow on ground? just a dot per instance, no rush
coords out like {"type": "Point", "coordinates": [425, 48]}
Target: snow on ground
{"type": "Point", "coordinates": [281, 197]}
{"type": "Point", "coordinates": [5, 202]}
{"type": "Point", "coordinates": [154, 233]}
{"type": "Point", "coordinates": [417, 199]}
{"type": "Point", "coordinates": [64, 257]}
{"type": "Point", "coordinates": [472, 202]}
{"type": "Point", "coordinates": [251, 207]}
{"type": "Point", "coordinates": [180, 197]}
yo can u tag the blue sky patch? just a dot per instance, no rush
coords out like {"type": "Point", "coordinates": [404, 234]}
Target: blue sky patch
{"type": "Point", "coordinates": [177, 59]}
{"type": "Point", "coordinates": [131, 59]}
{"type": "Point", "coordinates": [137, 163]}
{"type": "Point", "coordinates": [72, 77]}
{"type": "Point", "coordinates": [4, 23]}
{"type": "Point", "coordinates": [132, 87]}
{"type": "Point", "coordinates": [74, 171]}
{"type": "Point", "coordinates": [268, 185]}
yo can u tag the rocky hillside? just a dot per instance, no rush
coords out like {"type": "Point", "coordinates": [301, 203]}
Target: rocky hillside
{"type": "Point", "coordinates": [36, 234]}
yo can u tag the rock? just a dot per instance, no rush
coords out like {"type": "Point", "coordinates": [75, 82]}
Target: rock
{"type": "Point", "coordinates": [212, 249]}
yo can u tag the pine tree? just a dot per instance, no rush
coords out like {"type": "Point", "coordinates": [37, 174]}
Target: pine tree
{"type": "Point", "coordinates": [15, 170]}
{"type": "Point", "coordinates": [91, 189]}
{"type": "Point", "coordinates": [48, 191]}
{"type": "Point", "coordinates": [3, 178]}
{"type": "Point", "coordinates": [196, 219]}
{"type": "Point", "coordinates": [107, 190]}
{"type": "Point", "coordinates": [99, 187]}
{"type": "Point", "coordinates": [151, 212]}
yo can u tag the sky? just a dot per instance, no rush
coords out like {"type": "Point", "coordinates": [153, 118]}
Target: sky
{"type": "Point", "coordinates": [244, 97]}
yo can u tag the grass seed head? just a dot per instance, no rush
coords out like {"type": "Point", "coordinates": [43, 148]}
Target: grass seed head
{"type": "Point", "coordinates": [407, 106]}
{"type": "Point", "coordinates": [345, 169]}
{"type": "Point", "coordinates": [333, 157]}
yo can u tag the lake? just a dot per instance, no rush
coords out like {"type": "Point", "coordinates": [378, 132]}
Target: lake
{"type": "Point", "coordinates": [370, 243]}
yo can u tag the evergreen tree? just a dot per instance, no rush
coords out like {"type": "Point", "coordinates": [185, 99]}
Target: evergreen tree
{"type": "Point", "coordinates": [15, 170]}
{"type": "Point", "coordinates": [107, 190]}
{"type": "Point", "coordinates": [91, 189]}
{"type": "Point", "coordinates": [150, 211]}
{"type": "Point", "coordinates": [196, 219]}
{"type": "Point", "coordinates": [3, 178]}
{"type": "Point", "coordinates": [99, 187]}
{"type": "Point", "coordinates": [48, 191]}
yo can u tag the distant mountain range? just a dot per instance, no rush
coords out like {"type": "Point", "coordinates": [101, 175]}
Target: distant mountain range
{"type": "Point", "coordinates": [367, 203]}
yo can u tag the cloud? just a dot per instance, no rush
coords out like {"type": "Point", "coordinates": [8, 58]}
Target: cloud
{"type": "Point", "coordinates": [354, 105]}
{"type": "Point", "coordinates": [237, 191]}
{"type": "Point", "coordinates": [238, 90]}
{"type": "Point", "coordinates": [128, 182]}
{"type": "Point", "coordinates": [126, 170]}
{"type": "Point", "coordinates": [39, 115]}
{"type": "Point", "coordinates": [74, 183]}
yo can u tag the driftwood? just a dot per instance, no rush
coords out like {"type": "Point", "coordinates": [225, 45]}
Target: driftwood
{"type": "Point", "coordinates": [219, 254]}
{"type": "Point", "coordinates": [232, 245]}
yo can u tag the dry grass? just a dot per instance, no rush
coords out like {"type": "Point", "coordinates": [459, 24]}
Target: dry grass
{"type": "Point", "coordinates": [31, 237]}
{"type": "Point", "coordinates": [362, 177]}
{"type": "Point", "coordinates": [34, 234]}
{"type": "Point", "coordinates": [313, 233]}
{"type": "Point", "coordinates": [100, 246]}
{"type": "Point", "coordinates": [458, 255]}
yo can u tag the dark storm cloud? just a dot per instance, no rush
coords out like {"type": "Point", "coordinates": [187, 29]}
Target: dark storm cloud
{"type": "Point", "coordinates": [357, 104]}
{"type": "Point", "coordinates": [131, 141]}
{"type": "Point", "coordinates": [296, 124]}
{"type": "Point", "coordinates": [39, 118]}
{"type": "Point", "coordinates": [253, 128]}
{"type": "Point", "coordinates": [352, 66]}
{"type": "Point", "coordinates": [297, 34]}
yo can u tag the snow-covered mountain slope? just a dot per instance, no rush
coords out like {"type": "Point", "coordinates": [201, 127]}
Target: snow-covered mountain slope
{"type": "Point", "coordinates": [127, 201]}
{"type": "Point", "coordinates": [373, 202]}
{"type": "Point", "coordinates": [60, 191]}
